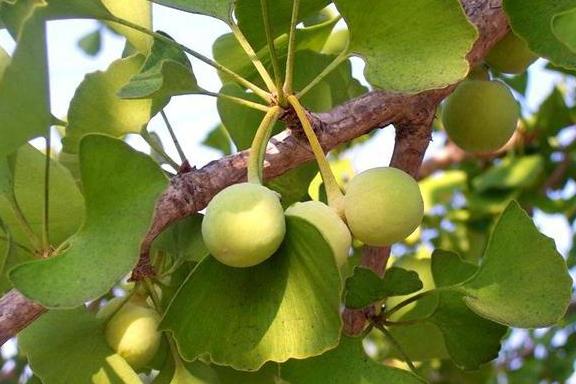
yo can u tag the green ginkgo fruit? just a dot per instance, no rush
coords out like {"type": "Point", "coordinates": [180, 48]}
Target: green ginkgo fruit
{"type": "Point", "coordinates": [132, 331]}
{"type": "Point", "coordinates": [328, 223]}
{"type": "Point", "coordinates": [511, 55]}
{"type": "Point", "coordinates": [480, 116]}
{"type": "Point", "coordinates": [244, 225]}
{"type": "Point", "coordinates": [383, 206]}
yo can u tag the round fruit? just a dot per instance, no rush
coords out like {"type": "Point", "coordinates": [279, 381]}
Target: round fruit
{"type": "Point", "coordinates": [330, 225]}
{"type": "Point", "coordinates": [511, 55]}
{"type": "Point", "coordinates": [383, 206]}
{"type": "Point", "coordinates": [132, 331]}
{"type": "Point", "coordinates": [480, 116]}
{"type": "Point", "coordinates": [244, 225]}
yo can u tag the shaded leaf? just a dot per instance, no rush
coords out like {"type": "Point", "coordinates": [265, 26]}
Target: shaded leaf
{"type": "Point", "coordinates": [117, 218]}
{"type": "Point", "coordinates": [293, 298]}
{"type": "Point", "coordinates": [293, 185]}
{"type": "Point", "coordinates": [470, 339]}
{"type": "Point", "coordinates": [96, 107]}
{"type": "Point", "coordinates": [523, 281]}
{"type": "Point", "coordinates": [91, 43]}
{"type": "Point", "coordinates": [344, 365]}
{"type": "Point", "coordinates": [219, 139]}
{"type": "Point", "coordinates": [554, 114]}
{"type": "Point", "coordinates": [564, 28]}
{"type": "Point", "coordinates": [366, 287]}
{"type": "Point", "coordinates": [449, 269]}
{"type": "Point", "coordinates": [24, 98]}
{"type": "Point", "coordinates": [183, 239]}
{"type": "Point", "coordinates": [250, 21]}
{"type": "Point", "coordinates": [88, 358]}
{"type": "Point", "coordinates": [512, 172]}
{"type": "Point", "coordinates": [219, 9]}
{"type": "Point", "coordinates": [268, 374]}
{"type": "Point", "coordinates": [66, 210]}
{"type": "Point", "coordinates": [407, 50]}
{"type": "Point", "coordinates": [533, 22]}
{"type": "Point", "coordinates": [166, 72]}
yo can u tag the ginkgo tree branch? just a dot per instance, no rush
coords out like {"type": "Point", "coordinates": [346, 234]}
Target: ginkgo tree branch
{"type": "Point", "coordinates": [191, 191]}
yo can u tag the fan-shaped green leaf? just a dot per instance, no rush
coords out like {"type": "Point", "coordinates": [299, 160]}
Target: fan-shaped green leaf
{"type": "Point", "coordinates": [344, 365]}
{"type": "Point", "coordinates": [523, 281]}
{"type": "Point", "coordinates": [533, 21]}
{"type": "Point", "coordinates": [517, 172]}
{"type": "Point", "coordinates": [409, 46]}
{"type": "Point", "coordinates": [96, 107]}
{"type": "Point", "coordinates": [24, 99]}
{"type": "Point", "coordinates": [120, 186]}
{"type": "Point", "coordinates": [293, 300]}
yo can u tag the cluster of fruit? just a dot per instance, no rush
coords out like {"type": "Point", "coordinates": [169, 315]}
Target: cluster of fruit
{"type": "Point", "coordinates": [244, 223]}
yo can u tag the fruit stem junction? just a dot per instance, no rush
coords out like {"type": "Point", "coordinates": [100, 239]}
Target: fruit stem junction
{"type": "Point", "coordinates": [258, 148]}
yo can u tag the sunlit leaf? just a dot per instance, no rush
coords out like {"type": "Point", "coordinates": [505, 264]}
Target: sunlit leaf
{"type": "Point", "coordinates": [293, 298]}
{"type": "Point", "coordinates": [523, 281]}
{"type": "Point", "coordinates": [409, 46]}
{"type": "Point", "coordinates": [87, 357]}
{"type": "Point", "coordinates": [512, 172]}
{"type": "Point", "coordinates": [564, 27]}
{"type": "Point", "coordinates": [136, 11]}
{"type": "Point", "coordinates": [96, 107]}
{"type": "Point", "coordinates": [117, 218]}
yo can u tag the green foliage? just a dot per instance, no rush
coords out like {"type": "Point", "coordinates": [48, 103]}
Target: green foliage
{"type": "Point", "coordinates": [88, 359]}
{"type": "Point", "coordinates": [537, 22]}
{"type": "Point", "coordinates": [409, 25]}
{"type": "Point", "coordinates": [24, 105]}
{"type": "Point", "coordinates": [107, 246]}
{"type": "Point", "coordinates": [523, 280]}
{"type": "Point", "coordinates": [293, 299]}
{"type": "Point", "coordinates": [443, 307]}
{"type": "Point", "coordinates": [365, 287]}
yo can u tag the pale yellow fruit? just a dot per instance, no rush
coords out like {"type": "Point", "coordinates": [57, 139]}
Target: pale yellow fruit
{"type": "Point", "coordinates": [511, 55]}
{"type": "Point", "coordinates": [480, 116]}
{"type": "Point", "coordinates": [244, 225]}
{"type": "Point", "coordinates": [328, 223]}
{"type": "Point", "coordinates": [132, 331]}
{"type": "Point", "coordinates": [383, 206]}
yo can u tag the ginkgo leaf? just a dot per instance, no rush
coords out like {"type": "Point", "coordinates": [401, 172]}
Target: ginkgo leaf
{"type": "Point", "coordinates": [344, 365]}
{"type": "Point", "coordinates": [409, 46]}
{"type": "Point", "coordinates": [536, 21]}
{"type": "Point", "coordinates": [24, 97]}
{"type": "Point", "coordinates": [107, 245]}
{"type": "Point", "coordinates": [523, 281]}
{"type": "Point", "coordinates": [97, 108]}
{"type": "Point", "coordinates": [294, 300]}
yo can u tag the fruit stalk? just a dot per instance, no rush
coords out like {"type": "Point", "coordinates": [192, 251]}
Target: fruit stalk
{"type": "Point", "coordinates": [333, 191]}
{"type": "Point", "coordinates": [258, 148]}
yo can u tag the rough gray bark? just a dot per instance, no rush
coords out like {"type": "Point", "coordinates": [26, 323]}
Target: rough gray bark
{"type": "Point", "coordinates": [411, 115]}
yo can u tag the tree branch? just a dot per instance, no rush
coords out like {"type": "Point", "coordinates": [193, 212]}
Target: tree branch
{"type": "Point", "coordinates": [191, 191]}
